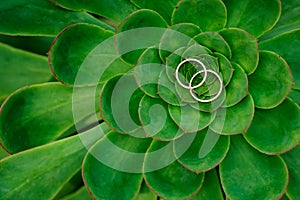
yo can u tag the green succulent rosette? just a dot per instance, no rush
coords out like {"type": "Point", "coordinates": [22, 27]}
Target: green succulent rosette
{"type": "Point", "coordinates": [122, 122]}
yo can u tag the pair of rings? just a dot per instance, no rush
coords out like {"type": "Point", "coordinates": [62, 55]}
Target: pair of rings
{"type": "Point", "coordinates": [205, 72]}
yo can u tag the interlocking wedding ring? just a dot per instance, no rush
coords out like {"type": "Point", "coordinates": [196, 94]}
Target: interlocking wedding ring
{"type": "Point", "coordinates": [206, 100]}
{"type": "Point", "coordinates": [188, 86]}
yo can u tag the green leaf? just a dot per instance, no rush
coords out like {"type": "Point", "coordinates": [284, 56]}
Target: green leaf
{"type": "Point", "coordinates": [147, 70]}
{"type": "Point", "coordinates": [271, 82]}
{"type": "Point", "coordinates": [67, 56]}
{"type": "Point", "coordinates": [246, 173]}
{"type": "Point", "coordinates": [206, 152]}
{"type": "Point", "coordinates": [189, 119]}
{"type": "Point", "coordinates": [292, 160]}
{"type": "Point", "coordinates": [176, 37]}
{"type": "Point", "coordinates": [80, 194]}
{"type": "Point", "coordinates": [173, 181]}
{"type": "Point", "coordinates": [280, 125]}
{"type": "Point", "coordinates": [107, 166]}
{"type": "Point", "coordinates": [211, 188]}
{"type": "Point", "coordinates": [237, 88]}
{"type": "Point", "coordinates": [156, 119]}
{"type": "Point", "coordinates": [215, 42]}
{"type": "Point", "coordinates": [212, 14]}
{"type": "Point", "coordinates": [39, 114]}
{"type": "Point", "coordinates": [244, 48]}
{"type": "Point", "coordinates": [281, 45]}
{"type": "Point", "coordinates": [42, 171]}
{"type": "Point", "coordinates": [119, 103]}
{"type": "Point", "coordinates": [115, 10]}
{"type": "Point", "coordinates": [235, 119]}
{"type": "Point", "coordinates": [288, 21]}
{"type": "Point", "coordinates": [35, 44]}
{"type": "Point", "coordinates": [252, 16]}
{"type": "Point", "coordinates": [226, 68]}
{"type": "Point", "coordinates": [145, 193]}
{"type": "Point", "coordinates": [3, 153]}
{"type": "Point", "coordinates": [164, 8]}
{"type": "Point", "coordinates": [39, 18]}
{"type": "Point", "coordinates": [20, 68]}
{"type": "Point", "coordinates": [295, 96]}
{"type": "Point", "coordinates": [139, 19]}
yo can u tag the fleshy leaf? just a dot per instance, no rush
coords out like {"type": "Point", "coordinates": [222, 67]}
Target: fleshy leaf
{"type": "Point", "coordinates": [235, 119]}
{"type": "Point", "coordinates": [212, 14]}
{"type": "Point", "coordinates": [189, 119]}
{"type": "Point", "coordinates": [139, 19]}
{"type": "Point", "coordinates": [20, 68]}
{"type": "Point", "coordinates": [281, 44]}
{"type": "Point", "coordinates": [280, 125]}
{"type": "Point", "coordinates": [173, 181]}
{"type": "Point", "coordinates": [67, 56]}
{"type": "Point", "coordinates": [288, 21]}
{"type": "Point", "coordinates": [237, 88]}
{"type": "Point", "coordinates": [156, 120]}
{"type": "Point", "coordinates": [146, 194]}
{"type": "Point", "coordinates": [206, 152]}
{"type": "Point", "coordinates": [23, 175]}
{"type": "Point", "coordinates": [226, 68]}
{"type": "Point", "coordinates": [271, 82]}
{"type": "Point", "coordinates": [295, 96]}
{"type": "Point", "coordinates": [245, 173]}
{"type": "Point", "coordinates": [215, 42]}
{"type": "Point", "coordinates": [80, 194]}
{"type": "Point", "coordinates": [292, 159]}
{"type": "Point", "coordinates": [253, 16]}
{"type": "Point", "coordinates": [147, 70]}
{"type": "Point", "coordinates": [211, 188]}
{"type": "Point", "coordinates": [119, 103]}
{"type": "Point", "coordinates": [107, 166]}
{"type": "Point", "coordinates": [176, 37]}
{"type": "Point", "coordinates": [51, 19]}
{"type": "Point", "coordinates": [39, 114]}
{"type": "Point", "coordinates": [164, 8]}
{"type": "Point", "coordinates": [115, 10]}
{"type": "Point", "coordinates": [244, 48]}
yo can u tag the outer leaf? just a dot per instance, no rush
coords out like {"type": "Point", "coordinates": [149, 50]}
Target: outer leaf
{"type": "Point", "coordinates": [164, 8]}
{"type": "Point", "coordinates": [246, 173]}
{"type": "Point", "coordinates": [289, 19]}
{"type": "Point", "coordinates": [139, 19]}
{"type": "Point", "coordinates": [237, 88]}
{"type": "Point", "coordinates": [235, 119]}
{"type": "Point", "coordinates": [39, 18]}
{"type": "Point", "coordinates": [206, 152]}
{"type": "Point", "coordinates": [292, 159]}
{"type": "Point", "coordinates": [41, 172]}
{"type": "Point", "coordinates": [146, 194]}
{"type": "Point", "coordinates": [212, 14]}
{"type": "Point", "coordinates": [115, 10]}
{"type": "Point", "coordinates": [3, 153]}
{"type": "Point", "coordinates": [280, 125]}
{"type": "Point", "coordinates": [67, 56]}
{"type": "Point", "coordinates": [172, 182]}
{"type": "Point", "coordinates": [80, 194]}
{"type": "Point", "coordinates": [244, 48]}
{"type": "Point", "coordinates": [295, 96]}
{"type": "Point", "coordinates": [281, 45]}
{"type": "Point", "coordinates": [102, 179]}
{"type": "Point", "coordinates": [211, 188]}
{"type": "Point", "coordinates": [252, 16]}
{"type": "Point", "coordinates": [20, 68]}
{"type": "Point", "coordinates": [39, 114]}
{"type": "Point", "coordinates": [271, 82]}
{"type": "Point", "coordinates": [156, 120]}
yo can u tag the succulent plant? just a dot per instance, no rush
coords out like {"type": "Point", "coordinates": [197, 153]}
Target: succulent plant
{"type": "Point", "coordinates": [143, 99]}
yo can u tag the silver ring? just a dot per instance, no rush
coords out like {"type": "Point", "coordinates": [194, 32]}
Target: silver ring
{"type": "Point", "coordinates": [189, 86]}
{"type": "Point", "coordinates": [207, 100]}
